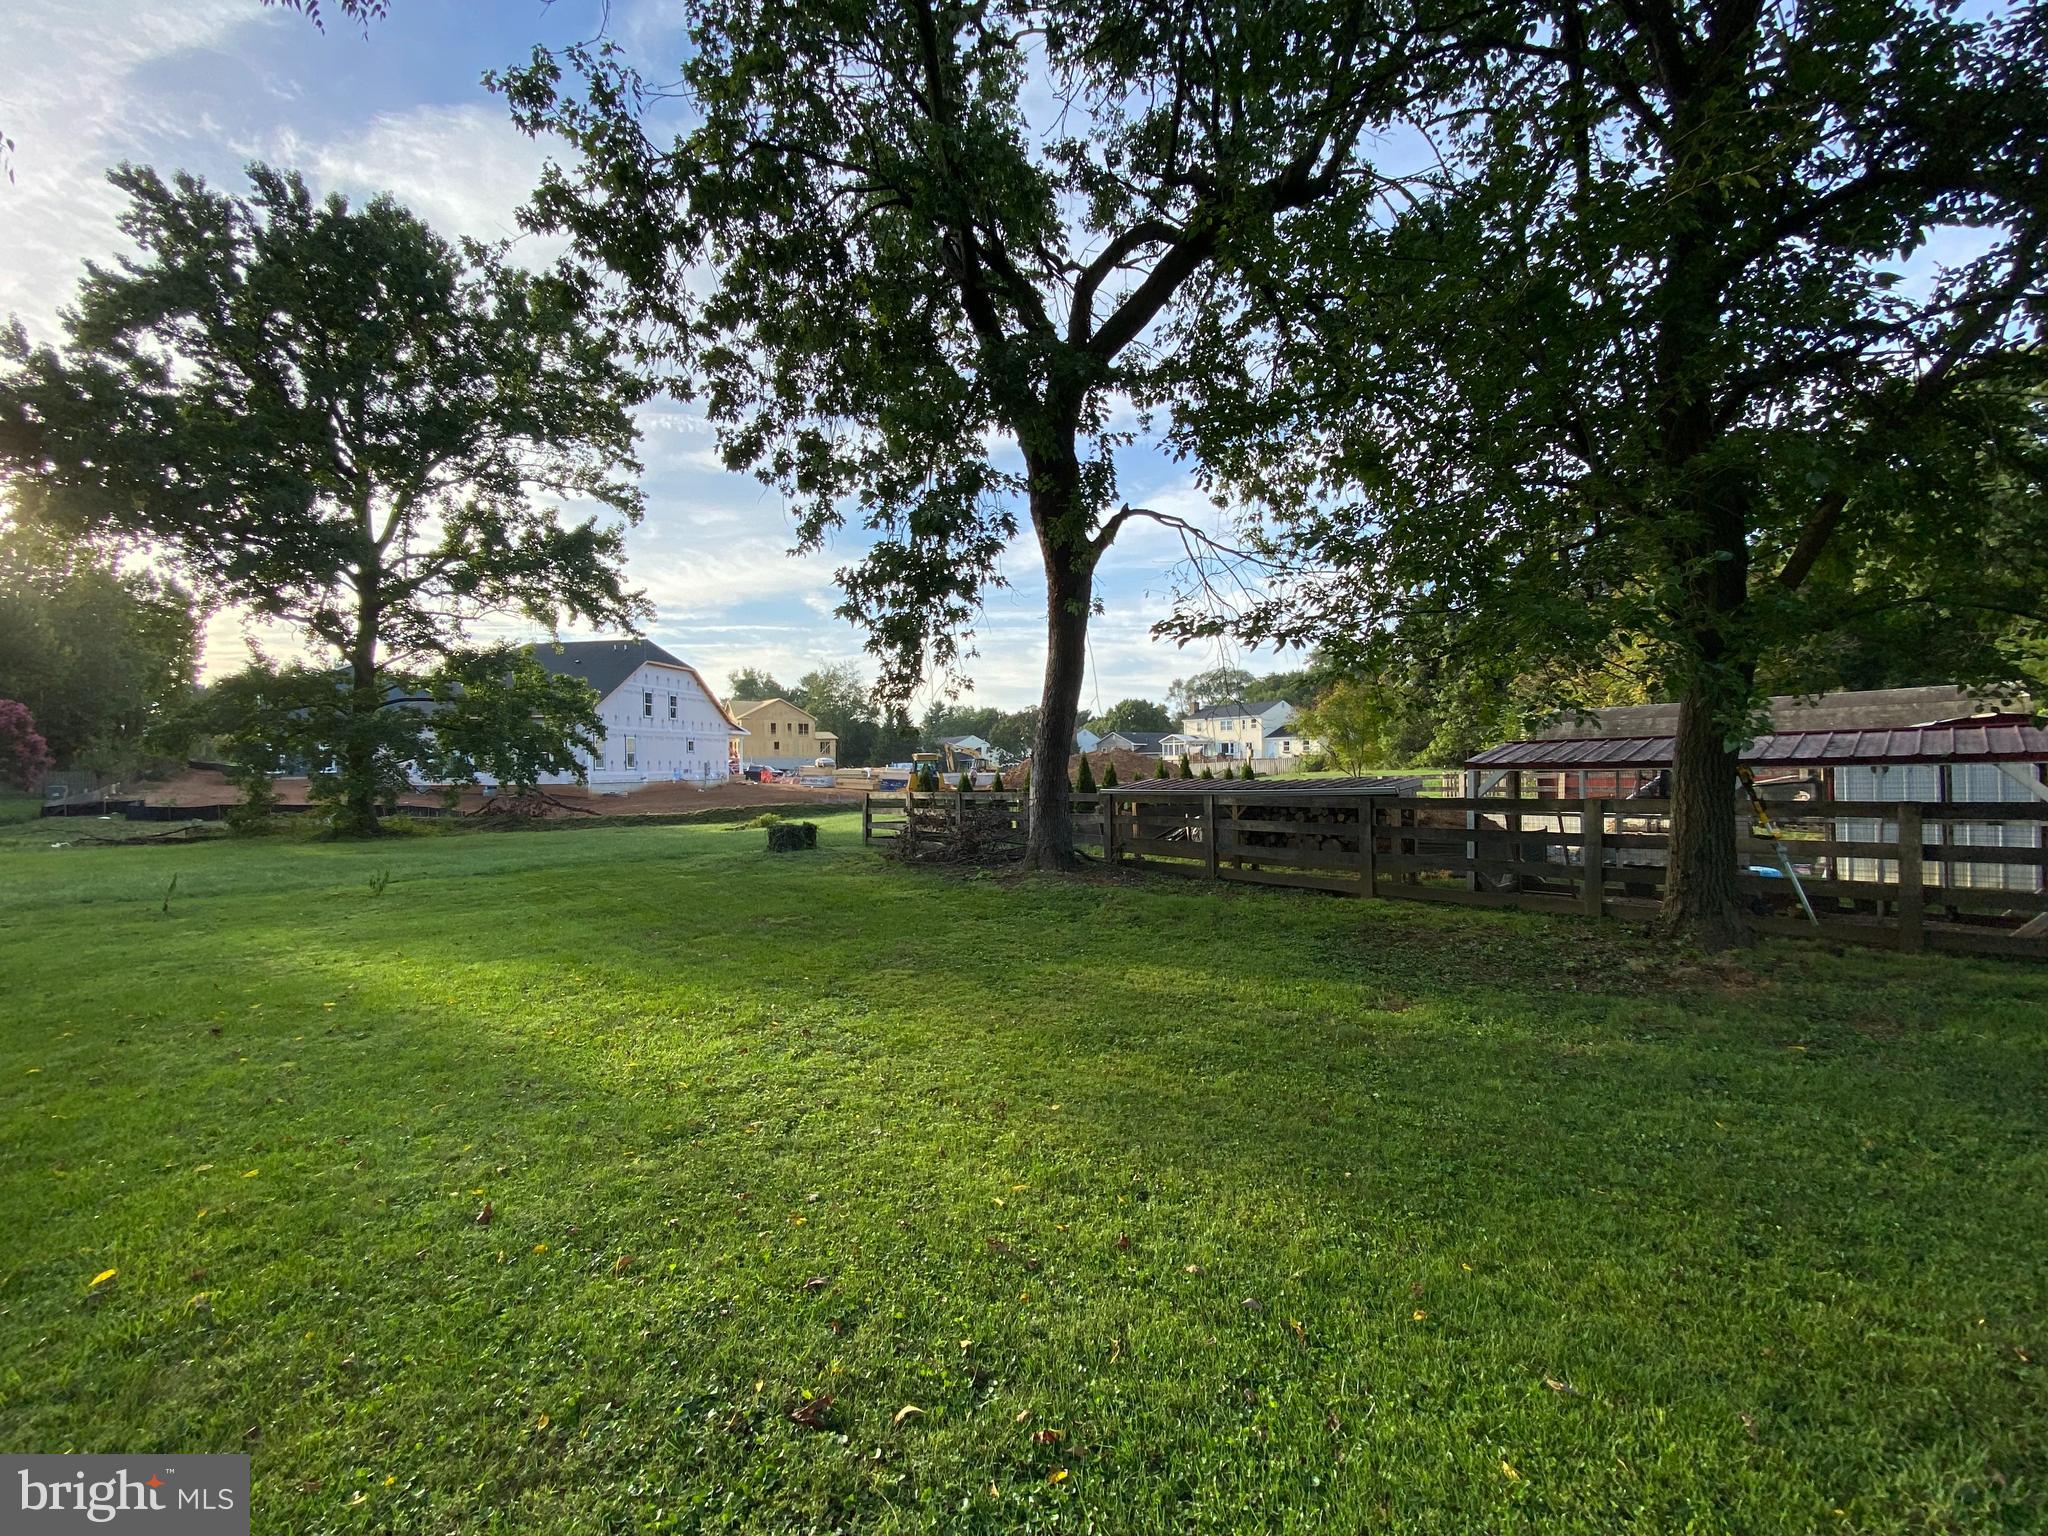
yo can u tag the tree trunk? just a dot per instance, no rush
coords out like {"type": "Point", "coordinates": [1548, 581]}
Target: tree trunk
{"type": "Point", "coordinates": [1050, 844]}
{"type": "Point", "coordinates": [357, 815]}
{"type": "Point", "coordinates": [1702, 899]}
{"type": "Point", "coordinates": [1065, 545]}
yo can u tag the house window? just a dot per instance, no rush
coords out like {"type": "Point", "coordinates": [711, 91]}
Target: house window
{"type": "Point", "coordinates": [647, 704]}
{"type": "Point", "coordinates": [802, 729]}
{"type": "Point", "coordinates": [690, 746]}
{"type": "Point", "coordinates": [632, 753]}
{"type": "Point", "coordinates": [671, 706]}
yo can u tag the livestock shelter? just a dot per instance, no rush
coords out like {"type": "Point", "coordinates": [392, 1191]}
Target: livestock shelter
{"type": "Point", "coordinates": [1993, 761]}
{"type": "Point", "coordinates": [1862, 816]}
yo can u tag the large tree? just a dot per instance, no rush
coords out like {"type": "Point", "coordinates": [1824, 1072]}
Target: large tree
{"type": "Point", "coordinates": [330, 415]}
{"type": "Point", "coordinates": [1726, 320]}
{"type": "Point", "coordinates": [896, 232]}
{"type": "Point", "coordinates": [753, 683]}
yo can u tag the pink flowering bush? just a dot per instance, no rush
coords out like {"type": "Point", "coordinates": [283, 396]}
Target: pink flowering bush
{"type": "Point", "coordinates": [24, 755]}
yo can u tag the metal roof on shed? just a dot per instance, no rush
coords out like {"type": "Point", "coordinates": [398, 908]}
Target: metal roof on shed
{"type": "Point", "coordinates": [1789, 749]}
{"type": "Point", "coordinates": [1151, 788]}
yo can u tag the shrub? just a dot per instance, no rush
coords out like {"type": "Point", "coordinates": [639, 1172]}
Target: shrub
{"type": "Point", "coordinates": [1209, 773]}
{"type": "Point", "coordinates": [24, 755]}
{"type": "Point", "coordinates": [1187, 770]}
{"type": "Point", "coordinates": [1086, 783]}
{"type": "Point", "coordinates": [256, 815]}
{"type": "Point", "coordinates": [1315, 762]}
{"type": "Point", "coordinates": [997, 781]}
{"type": "Point", "coordinates": [793, 837]}
{"type": "Point", "coordinates": [1109, 777]}
{"type": "Point", "coordinates": [965, 781]}
{"type": "Point", "coordinates": [1247, 773]}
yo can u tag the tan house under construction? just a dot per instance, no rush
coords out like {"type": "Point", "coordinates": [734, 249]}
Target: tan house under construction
{"type": "Point", "coordinates": [779, 735]}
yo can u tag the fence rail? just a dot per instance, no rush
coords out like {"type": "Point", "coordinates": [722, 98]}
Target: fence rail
{"type": "Point", "coordinates": [1919, 883]}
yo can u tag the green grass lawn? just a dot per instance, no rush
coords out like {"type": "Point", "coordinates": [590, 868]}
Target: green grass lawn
{"type": "Point", "coordinates": [1092, 1205]}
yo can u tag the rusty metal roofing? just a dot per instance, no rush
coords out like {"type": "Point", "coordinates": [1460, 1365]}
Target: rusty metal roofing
{"type": "Point", "coordinates": [1800, 749]}
{"type": "Point", "coordinates": [1152, 788]}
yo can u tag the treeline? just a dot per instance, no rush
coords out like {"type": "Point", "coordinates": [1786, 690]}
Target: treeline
{"type": "Point", "coordinates": [98, 655]}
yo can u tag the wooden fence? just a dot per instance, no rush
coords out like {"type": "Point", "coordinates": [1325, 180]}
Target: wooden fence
{"type": "Point", "coordinates": [936, 822]}
{"type": "Point", "coordinates": [1589, 857]}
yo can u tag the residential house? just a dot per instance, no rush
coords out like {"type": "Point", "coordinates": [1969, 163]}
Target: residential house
{"type": "Point", "coordinates": [1146, 742]}
{"type": "Point", "coordinates": [1234, 728]}
{"type": "Point", "coordinates": [659, 717]}
{"type": "Point", "coordinates": [780, 735]}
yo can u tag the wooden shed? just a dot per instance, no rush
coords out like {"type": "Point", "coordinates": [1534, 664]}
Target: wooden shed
{"type": "Point", "coordinates": [1992, 759]}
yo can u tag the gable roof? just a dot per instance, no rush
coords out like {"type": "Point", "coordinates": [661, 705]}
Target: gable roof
{"type": "Point", "coordinates": [1136, 738]}
{"type": "Point", "coordinates": [1808, 749]}
{"type": "Point", "coordinates": [1232, 709]}
{"type": "Point", "coordinates": [606, 664]}
{"type": "Point", "coordinates": [752, 706]}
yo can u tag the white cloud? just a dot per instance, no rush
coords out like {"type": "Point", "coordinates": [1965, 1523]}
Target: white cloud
{"type": "Point", "coordinates": [464, 168]}
{"type": "Point", "coordinates": [69, 102]}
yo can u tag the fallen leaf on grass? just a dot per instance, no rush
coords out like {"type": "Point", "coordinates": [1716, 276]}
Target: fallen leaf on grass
{"type": "Point", "coordinates": [102, 1278]}
{"type": "Point", "coordinates": [908, 1410]}
{"type": "Point", "coordinates": [1419, 1314]}
{"type": "Point", "coordinates": [1512, 1475]}
{"type": "Point", "coordinates": [1123, 1242]}
{"type": "Point", "coordinates": [1048, 1437]}
{"type": "Point", "coordinates": [816, 1283]}
{"type": "Point", "coordinates": [1057, 1475]}
{"type": "Point", "coordinates": [483, 1217]}
{"type": "Point", "coordinates": [811, 1414]}
{"type": "Point", "coordinates": [624, 1260]}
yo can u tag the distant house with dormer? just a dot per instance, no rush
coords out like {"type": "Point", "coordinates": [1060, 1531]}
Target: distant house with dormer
{"type": "Point", "coordinates": [1235, 728]}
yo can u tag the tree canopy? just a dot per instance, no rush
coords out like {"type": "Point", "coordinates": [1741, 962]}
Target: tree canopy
{"type": "Point", "coordinates": [334, 418]}
{"type": "Point", "coordinates": [1714, 340]}
{"type": "Point", "coordinates": [1132, 715]}
{"type": "Point", "coordinates": [899, 235]}
{"type": "Point", "coordinates": [99, 655]}
{"type": "Point", "coordinates": [753, 683]}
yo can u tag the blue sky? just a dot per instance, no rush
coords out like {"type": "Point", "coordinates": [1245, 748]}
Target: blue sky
{"type": "Point", "coordinates": [208, 85]}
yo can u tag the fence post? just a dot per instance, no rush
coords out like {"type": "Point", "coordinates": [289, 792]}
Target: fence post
{"type": "Point", "coordinates": [1368, 834]}
{"type": "Point", "coordinates": [867, 816]}
{"type": "Point", "coordinates": [1912, 880]}
{"type": "Point", "coordinates": [1593, 856]}
{"type": "Point", "coordinates": [1108, 810]}
{"type": "Point", "coordinates": [1209, 835]}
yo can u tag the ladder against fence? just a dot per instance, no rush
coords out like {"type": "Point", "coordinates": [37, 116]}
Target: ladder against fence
{"type": "Point", "coordinates": [1912, 876]}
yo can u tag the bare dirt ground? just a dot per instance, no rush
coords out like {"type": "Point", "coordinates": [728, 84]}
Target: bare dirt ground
{"type": "Point", "coordinates": [205, 787]}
